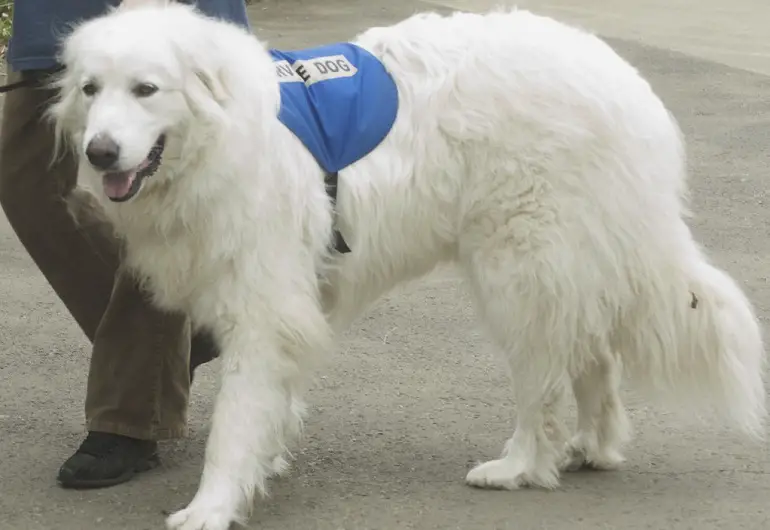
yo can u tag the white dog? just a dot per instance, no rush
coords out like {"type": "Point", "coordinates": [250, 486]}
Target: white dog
{"type": "Point", "coordinates": [523, 150]}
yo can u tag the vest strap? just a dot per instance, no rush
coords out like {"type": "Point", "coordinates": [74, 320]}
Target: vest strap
{"type": "Point", "coordinates": [330, 179]}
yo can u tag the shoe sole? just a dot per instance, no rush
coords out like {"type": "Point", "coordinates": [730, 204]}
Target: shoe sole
{"type": "Point", "coordinates": [145, 464]}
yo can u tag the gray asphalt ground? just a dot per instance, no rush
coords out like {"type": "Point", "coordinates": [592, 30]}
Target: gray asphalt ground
{"type": "Point", "coordinates": [414, 396]}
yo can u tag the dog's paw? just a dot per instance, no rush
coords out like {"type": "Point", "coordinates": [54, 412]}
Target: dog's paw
{"type": "Point", "coordinates": [508, 474]}
{"type": "Point", "coordinates": [496, 474]}
{"type": "Point", "coordinates": [579, 457]}
{"type": "Point", "coordinates": [200, 517]}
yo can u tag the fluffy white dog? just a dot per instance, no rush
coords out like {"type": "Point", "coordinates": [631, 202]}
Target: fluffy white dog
{"type": "Point", "coordinates": [524, 150]}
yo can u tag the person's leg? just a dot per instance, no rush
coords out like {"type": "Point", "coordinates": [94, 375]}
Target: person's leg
{"type": "Point", "coordinates": [140, 370]}
{"type": "Point", "coordinates": [151, 401]}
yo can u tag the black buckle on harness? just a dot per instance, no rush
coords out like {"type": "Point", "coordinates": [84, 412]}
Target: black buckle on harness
{"type": "Point", "coordinates": [330, 179]}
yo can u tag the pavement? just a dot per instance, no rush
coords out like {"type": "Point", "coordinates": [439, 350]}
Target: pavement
{"type": "Point", "coordinates": [413, 397]}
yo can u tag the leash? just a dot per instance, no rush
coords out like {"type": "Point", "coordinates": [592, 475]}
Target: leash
{"type": "Point", "coordinates": [13, 86]}
{"type": "Point", "coordinates": [30, 79]}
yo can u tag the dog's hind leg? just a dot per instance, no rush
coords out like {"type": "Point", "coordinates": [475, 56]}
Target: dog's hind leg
{"type": "Point", "coordinates": [602, 424]}
{"type": "Point", "coordinates": [523, 317]}
{"type": "Point", "coordinates": [531, 456]}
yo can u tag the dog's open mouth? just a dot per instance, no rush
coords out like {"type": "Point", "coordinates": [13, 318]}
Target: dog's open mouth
{"type": "Point", "coordinates": [120, 186]}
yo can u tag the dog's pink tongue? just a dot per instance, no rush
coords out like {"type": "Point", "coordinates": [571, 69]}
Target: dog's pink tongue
{"type": "Point", "coordinates": [117, 185]}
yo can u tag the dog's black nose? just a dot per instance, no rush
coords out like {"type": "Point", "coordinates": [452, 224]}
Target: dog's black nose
{"type": "Point", "coordinates": [102, 152]}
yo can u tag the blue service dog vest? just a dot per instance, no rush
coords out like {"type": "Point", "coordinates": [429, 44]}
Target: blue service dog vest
{"type": "Point", "coordinates": [340, 101]}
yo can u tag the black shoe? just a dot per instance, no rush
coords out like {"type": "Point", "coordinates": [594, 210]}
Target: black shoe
{"type": "Point", "coordinates": [106, 459]}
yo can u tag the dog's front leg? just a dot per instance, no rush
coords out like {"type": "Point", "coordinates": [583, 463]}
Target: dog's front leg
{"type": "Point", "coordinates": [256, 410]}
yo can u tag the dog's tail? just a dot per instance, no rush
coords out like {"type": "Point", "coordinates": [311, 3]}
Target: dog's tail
{"type": "Point", "coordinates": [696, 340]}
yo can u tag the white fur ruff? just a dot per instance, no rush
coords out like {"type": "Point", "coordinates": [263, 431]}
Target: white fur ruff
{"type": "Point", "coordinates": [525, 151]}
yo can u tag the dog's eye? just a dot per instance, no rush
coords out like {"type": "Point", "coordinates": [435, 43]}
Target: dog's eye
{"type": "Point", "coordinates": [143, 90]}
{"type": "Point", "coordinates": [90, 89]}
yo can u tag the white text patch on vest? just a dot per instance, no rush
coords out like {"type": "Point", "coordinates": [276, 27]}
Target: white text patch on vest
{"type": "Point", "coordinates": [314, 70]}
{"type": "Point", "coordinates": [286, 73]}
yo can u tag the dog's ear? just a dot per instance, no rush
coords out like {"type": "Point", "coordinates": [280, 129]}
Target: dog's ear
{"type": "Point", "coordinates": [206, 77]}
{"type": "Point", "coordinates": [213, 82]}
{"type": "Point", "coordinates": [206, 94]}
{"type": "Point", "coordinates": [63, 112]}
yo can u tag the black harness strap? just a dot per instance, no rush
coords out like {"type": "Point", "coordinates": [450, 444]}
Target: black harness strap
{"type": "Point", "coordinates": [330, 179]}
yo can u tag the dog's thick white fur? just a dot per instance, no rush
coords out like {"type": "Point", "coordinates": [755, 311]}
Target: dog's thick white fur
{"type": "Point", "coordinates": [525, 151]}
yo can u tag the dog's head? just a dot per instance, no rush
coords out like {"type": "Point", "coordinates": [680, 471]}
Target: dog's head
{"type": "Point", "coordinates": [136, 82]}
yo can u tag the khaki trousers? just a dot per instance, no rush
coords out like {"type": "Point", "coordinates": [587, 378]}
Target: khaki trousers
{"type": "Point", "coordinates": [139, 377]}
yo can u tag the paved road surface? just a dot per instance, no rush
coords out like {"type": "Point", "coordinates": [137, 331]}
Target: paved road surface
{"type": "Point", "coordinates": [414, 396]}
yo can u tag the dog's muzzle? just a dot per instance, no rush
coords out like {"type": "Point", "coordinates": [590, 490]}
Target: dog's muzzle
{"type": "Point", "coordinates": [120, 186]}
